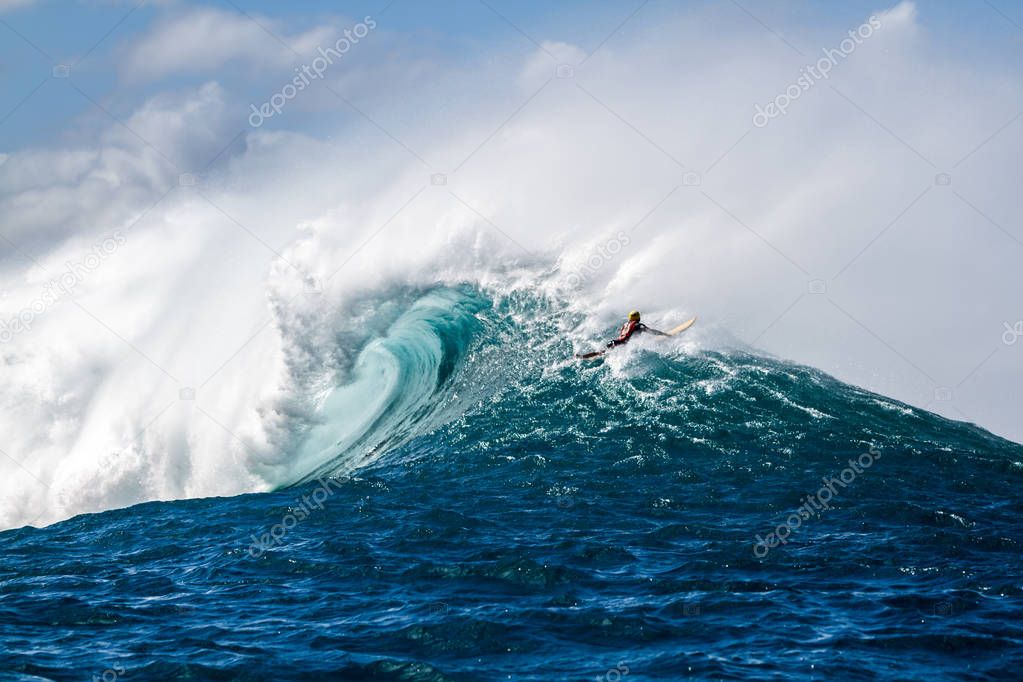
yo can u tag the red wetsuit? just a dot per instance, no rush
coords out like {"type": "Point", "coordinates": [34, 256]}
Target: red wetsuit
{"type": "Point", "coordinates": [625, 333]}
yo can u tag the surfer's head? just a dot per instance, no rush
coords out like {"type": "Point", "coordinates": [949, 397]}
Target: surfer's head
{"type": "Point", "coordinates": [634, 316]}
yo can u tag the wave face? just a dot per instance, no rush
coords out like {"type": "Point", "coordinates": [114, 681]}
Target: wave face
{"type": "Point", "coordinates": [469, 505]}
{"type": "Point", "coordinates": [400, 385]}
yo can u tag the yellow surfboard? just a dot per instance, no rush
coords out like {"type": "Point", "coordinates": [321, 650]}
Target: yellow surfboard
{"type": "Point", "coordinates": [681, 328]}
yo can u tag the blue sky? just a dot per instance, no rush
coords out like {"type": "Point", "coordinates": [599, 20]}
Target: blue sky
{"type": "Point", "coordinates": [38, 109]}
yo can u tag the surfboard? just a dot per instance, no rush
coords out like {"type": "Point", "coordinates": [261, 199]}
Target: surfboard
{"type": "Point", "coordinates": [681, 328]}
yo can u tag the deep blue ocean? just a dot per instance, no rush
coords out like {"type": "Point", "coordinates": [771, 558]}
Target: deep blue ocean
{"type": "Point", "coordinates": [671, 514]}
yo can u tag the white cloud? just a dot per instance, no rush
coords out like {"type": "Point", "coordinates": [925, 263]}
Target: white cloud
{"type": "Point", "coordinates": [204, 40]}
{"type": "Point", "coordinates": [45, 194]}
{"type": "Point", "coordinates": [901, 15]}
{"type": "Point", "coordinates": [544, 63]}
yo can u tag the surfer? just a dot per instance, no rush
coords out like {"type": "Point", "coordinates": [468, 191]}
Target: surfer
{"type": "Point", "coordinates": [631, 327]}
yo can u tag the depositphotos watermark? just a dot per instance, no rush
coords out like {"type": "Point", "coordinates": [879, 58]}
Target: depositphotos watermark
{"type": "Point", "coordinates": [55, 290]}
{"type": "Point", "coordinates": [1012, 333]}
{"type": "Point", "coordinates": [109, 675]}
{"type": "Point", "coordinates": [614, 674]}
{"type": "Point", "coordinates": [310, 502]}
{"type": "Point", "coordinates": [601, 255]}
{"type": "Point", "coordinates": [307, 73]}
{"type": "Point", "coordinates": [812, 74]}
{"type": "Point", "coordinates": [815, 503]}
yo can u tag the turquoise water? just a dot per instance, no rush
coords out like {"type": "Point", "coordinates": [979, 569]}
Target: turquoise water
{"type": "Point", "coordinates": [473, 506]}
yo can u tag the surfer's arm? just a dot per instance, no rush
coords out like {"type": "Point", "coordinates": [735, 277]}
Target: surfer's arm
{"type": "Point", "coordinates": [655, 332]}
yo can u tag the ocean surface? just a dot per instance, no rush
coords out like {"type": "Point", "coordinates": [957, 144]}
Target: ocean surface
{"type": "Point", "coordinates": [474, 506]}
